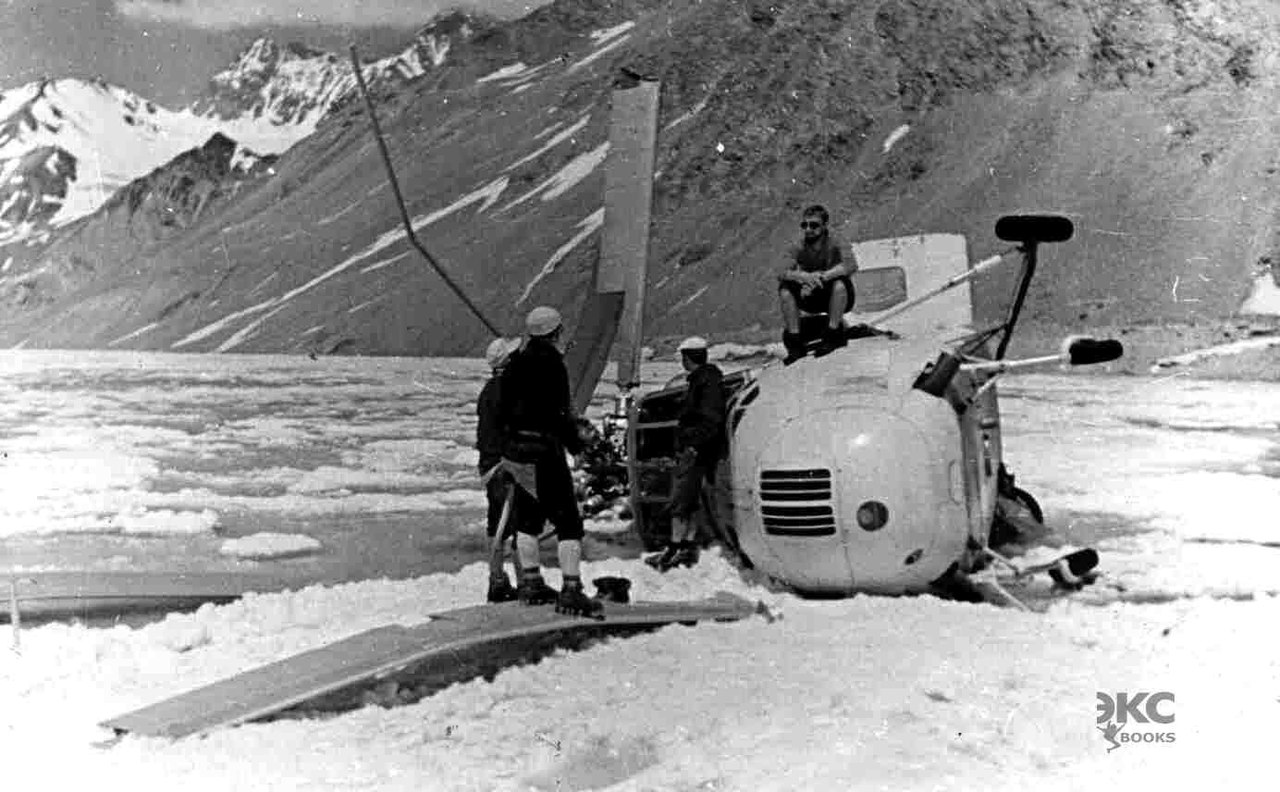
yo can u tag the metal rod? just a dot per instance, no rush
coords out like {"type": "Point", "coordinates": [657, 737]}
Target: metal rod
{"type": "Point", "coordinates": [1001, 366]}
{"type": "Point", "coordinates": [1028, 271]}
{"type": "Point", "coordinates": [404, 213]}
{"type": "Point", "coordinates": [969, 274]}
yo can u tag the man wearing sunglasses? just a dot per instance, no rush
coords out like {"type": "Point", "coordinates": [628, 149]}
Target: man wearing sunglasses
{"type": "Point", "coordinates": [817, 281]}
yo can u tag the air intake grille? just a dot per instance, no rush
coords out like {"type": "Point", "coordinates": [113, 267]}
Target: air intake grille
{"type": "Point", "coordinates": [797, 502]}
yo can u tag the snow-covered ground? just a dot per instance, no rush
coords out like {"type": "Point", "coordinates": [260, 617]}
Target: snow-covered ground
{"type": "Point", "coordinates": [1175, 481]}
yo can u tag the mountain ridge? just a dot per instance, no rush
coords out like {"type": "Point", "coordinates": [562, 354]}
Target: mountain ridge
{"type": "Point", "coordinates": [1144, 122]}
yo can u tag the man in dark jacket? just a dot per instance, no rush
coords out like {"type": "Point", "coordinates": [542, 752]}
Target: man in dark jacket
{"type": "Point", "coordinates": [489, 442]}
{"type": "Point", "coordinates": [700, 443]}
{"type": "Point", "coordinates": [538, 425]}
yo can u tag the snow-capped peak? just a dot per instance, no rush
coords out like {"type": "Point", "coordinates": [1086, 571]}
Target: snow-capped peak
{"type": "Point", "coordinates": [67, 145]}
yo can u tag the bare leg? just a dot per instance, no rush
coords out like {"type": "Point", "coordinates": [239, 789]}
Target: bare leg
{"type": "Point", "coordinates": [570, 555]}
{"type": "Point", "coordinates": [837, 305]}
{"type": "Point", "coordinates": [790, 311]}
{"type": "Point", "coordinates": [527, 552]}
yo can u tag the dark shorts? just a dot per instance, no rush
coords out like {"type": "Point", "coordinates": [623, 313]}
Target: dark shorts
{"type": "Point", "coordinates": [556, 502]}
{"type": "Point", "coordinates": [686, 488]}
{"type": "Point", "coordinates": [819, 299]}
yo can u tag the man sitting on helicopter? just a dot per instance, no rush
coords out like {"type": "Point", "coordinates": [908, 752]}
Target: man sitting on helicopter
{"type": "Point", "coordinates": [700, 443]}
{"type": "Point", "coordinates": [817, 281]}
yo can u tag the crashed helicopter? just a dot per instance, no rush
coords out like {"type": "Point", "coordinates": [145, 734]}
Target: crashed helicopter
{"type": "Point", "coordinates": [877, 468]}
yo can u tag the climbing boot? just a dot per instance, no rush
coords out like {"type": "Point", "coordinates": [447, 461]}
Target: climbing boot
{"type": "Point", "coordinates": [677, 554]}
{"type": "Point", "coordinates": [794, 344]}
{"type": "Point", "coordinates": [574, 601]}
{"type": "Point", "coordinates": [533, 590]}
{"type": "Point", "coordinates": [832, 340]}
{"type": "Point", "coordinates": [501, 590]}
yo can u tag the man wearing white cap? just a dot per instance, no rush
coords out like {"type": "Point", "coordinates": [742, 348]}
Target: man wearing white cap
{"type": "Point", "coordinates": [539, 426]}
{"type": "Point", "coordinates": [700, 443]}
{"type": "Point", "coordinates": [489, 443]}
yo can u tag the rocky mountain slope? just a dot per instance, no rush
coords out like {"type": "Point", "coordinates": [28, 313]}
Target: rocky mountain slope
{"type": "Point", "coordinates": [67, 145]}
{"type": "Point", "coordinates": [1149, 122]}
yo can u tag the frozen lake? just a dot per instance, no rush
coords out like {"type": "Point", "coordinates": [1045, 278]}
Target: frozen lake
{"type": "Point", "coordinates": [118, 462]}
{"type": "Point", "coordinates": [145, 462]}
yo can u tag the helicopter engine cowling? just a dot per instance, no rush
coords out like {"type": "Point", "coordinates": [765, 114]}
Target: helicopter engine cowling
{"type": "Point", "coordinates": [846, 479]}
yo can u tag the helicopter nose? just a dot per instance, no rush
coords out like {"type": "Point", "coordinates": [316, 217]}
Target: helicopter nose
{"type": "Point", "coordinates": [861, 499]}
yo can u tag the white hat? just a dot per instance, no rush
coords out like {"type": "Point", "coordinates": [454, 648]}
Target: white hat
{"type": "Point", "coordinates": [692, 343]}
{"type": "Point", "coordinates": [542, 321]}
{"type": "Point", "coordinates": [499, 350]}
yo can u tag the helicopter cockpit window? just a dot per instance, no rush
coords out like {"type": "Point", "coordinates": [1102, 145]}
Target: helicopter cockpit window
{"type": "Point", "coordinates": [879, 288]}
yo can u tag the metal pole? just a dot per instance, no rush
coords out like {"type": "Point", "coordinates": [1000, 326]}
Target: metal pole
{"type": "Point", "coordinates": [969, 274]}
{"type": "Point", "coordinates": [404, 213]}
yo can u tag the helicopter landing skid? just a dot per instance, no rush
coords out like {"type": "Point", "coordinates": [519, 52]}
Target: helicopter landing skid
{"type": "Point", "coordinates": [1070, 572]}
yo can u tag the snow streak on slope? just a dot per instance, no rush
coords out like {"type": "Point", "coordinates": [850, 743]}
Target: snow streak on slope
{"type": "Point", "coordinates": [505, 73]}
{"type": "Point", "coordinates": [560, 182]}
{"type": "Point", "coordinates": [588, 226]}
{"type": "Point", "coordinates": [487, 195]}
{"type": "Point", "coordinates": [556, 140]}
{"type": "Point", "coordinates": [597, 54]}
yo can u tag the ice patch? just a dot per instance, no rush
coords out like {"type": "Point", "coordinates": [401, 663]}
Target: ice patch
{"type": "Point", "coordinates": [161, 522]}
{"type": "Point", "coordinates": [894, 137]}
{"type": "Point", "coordinates": [1265, 297]}
{"type": "Point", "coordinates": [1223, 350]}
{"type": "Point", "coordinates": [269, 545]}
{"type": "Point", "coordinates": [588, 225]}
